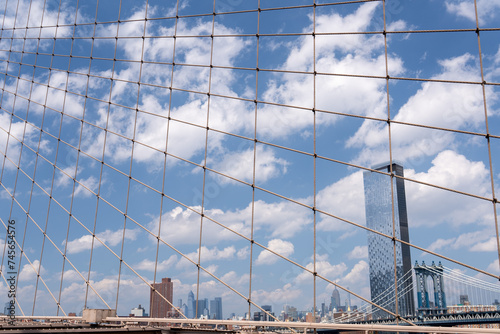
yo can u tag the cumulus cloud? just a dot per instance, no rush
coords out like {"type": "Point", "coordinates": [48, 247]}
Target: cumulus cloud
{"type": "Point", "coordinates": [279, 246]}
{"type": "Point", "coordinates": [493, 267]}
{"type": "Point", "coordinates": [208, 255]}
{"type": "Point", "coordinates": [280, 295]}
{"type": "Point", "coordinates": [353, 54]}
{"type": "Point", "coordinates": [357, 279]}
{"type": "Point", "coordinates": [345, 199]}
{"type": "Point", "coordinates": [281, 219]}
{"type": "Point", "coordinates": [240, 165]}
{"type": "Point", "coordinates": [35, 13]}
{"type": "Point", "coordinates": [487, 10]}
{"type": "Point", "coordinates": [132, 289]}
{"type": "Point", "coordinates": [30, 271]}
{"type": "Point", "coordinates": [334, 54]}
{"type": "Point", "coordinates": [477, 241]}
{"type": "Point", "coordinates": [359, 252]}
{"type": "Point", "coordinates": [110, 238]}
{"type": "Point", "coordinates": [149, 265]}
{"type": "Point", "coordinates": [489, 245]}
{"type": "Point", "coordinates": [451, 170]}
{"type": "Point", "coordinates": [243, 253]}
{"type": "Point", "coordinates": [183, 140]}
{"type": "Point", "coordinates": [72, 275]}
{"type": "Point", "coordinates": [453, 106]}
{"type": "Point", "coordinates": [323, 268]}
{"type": "Point", "coordinates": [90, 183]}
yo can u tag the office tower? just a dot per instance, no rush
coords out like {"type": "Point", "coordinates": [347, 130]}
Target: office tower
{"type": "Point", "coordinates": [191, 304]}
{"type": "Point", "coordinates": [335, 300]}
{"type": "Point", "coordinates": [216, 308]}
{"type": "Point", "coordinates": [158, 306]}
{"type": "Point", "coordinates": [203, 307]}
{"type": "Point", "coordinates": [323, 309]}
{"type": "Point", "coordinates": [184, 310]}
{"type": "Point", "coordinates": [383, 263]}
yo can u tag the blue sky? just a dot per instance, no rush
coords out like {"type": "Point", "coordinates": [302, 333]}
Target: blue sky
{"type": "Point", "coordinates": [452, 224]}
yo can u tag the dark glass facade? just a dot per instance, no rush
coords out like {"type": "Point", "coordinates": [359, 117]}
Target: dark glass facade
{"type": "Point", "coordinates": [385, 257]}
{"type": "Point", "coordinates": [216, 308]}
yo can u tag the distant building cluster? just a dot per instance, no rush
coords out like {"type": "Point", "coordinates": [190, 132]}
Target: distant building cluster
{"type": "Point", "coordinates": [201, 308]}
{"type": "Point", "coordinates": [389, 266]}
{"type": "Point", "coordinates": [161, 304]}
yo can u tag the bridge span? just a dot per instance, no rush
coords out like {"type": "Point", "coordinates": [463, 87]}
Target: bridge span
{"type": "Point", "coordinates": [51, 324]}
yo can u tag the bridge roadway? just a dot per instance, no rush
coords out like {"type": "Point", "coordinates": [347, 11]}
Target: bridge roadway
{"type": "Point", "coordinates": [40, 328]}
{"type": "Point", "coordinates": [446, 320]}
{"type": "Point", "coordinates": [199, 326]}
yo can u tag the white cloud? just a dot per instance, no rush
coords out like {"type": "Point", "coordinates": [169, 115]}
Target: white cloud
{"type": "Point", "coordinates": [440, 244]}
{"type": "Point", "coordinates": [281, 219]}
{"type": "Point", "coordinates": [82, 187]}
{"type": "Point", "coordinates": [345, 199]}
{"type": "Point", "coordinates": [208, 255]}
{"type": "Point", "coordinates": [489, 245]}
{"type": "Point", "coordinates": [17, 130]}
{"type": "Point", "coordinates": [235, 279]}
{"type": "Point", "coordinates": [72, 275]}
{"type": "Point", "coordinates": [110, 238]}
{"type": "Point", "coordinates": [149, 265]}
{"type": "Point", "coordinates": [30, 14]}
{"type": "Point", "coordinates": [212, 269]}
{"type": "Point", "coordinates": [429, 206]}
{"type": "Point", "coordinates": [132, 291]}
{"type": "Point", "coordinates": [454, 106]}
{"type": "Point", "coordinates": [487, 9]}
{"type": "Point", "coordinates": [357, 276]}
{"type": "Point", "coordinates": [323, 268]}
{"type": "Point", "coordinates": [359, 252]}
{"type": "Point", "coordinates": [240, 165]}
{"type": "Point", "coordinates": [243, 253]}
{"type": "Point", "coordinates": [281, 295]}
{"type": "Point", "coordinates": [183, 140]}
{"type": "Point", "coordinates": [493, 267]}
{"type": "Point", "coordinates": [477, 241]}
{"type": "Point", "coordinates": [334, 54]}
{"type": "Point", "coordinates": [62, 179]}
{"type": "Point", "coordinates": [30, 271]}
{"type": "Point", "coordinates": [284, 248]}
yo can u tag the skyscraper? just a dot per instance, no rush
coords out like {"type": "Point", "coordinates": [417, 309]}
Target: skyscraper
{"type": "Point", "coordinates": [335, 300]}
{"type": "Point", "coordinates": [383, 262]}
{"type": "Point", "coordinates": [158, 306]}
{"type": "Point", "coordinates": [216, 308]}
{"type": "Point", "coordinates": [203, 307]}
{"type": "Point", "coordinates": [191, 304]}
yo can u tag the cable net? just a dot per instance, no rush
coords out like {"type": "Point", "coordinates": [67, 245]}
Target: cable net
{"type": "Point", "coordinates": [222, 144]}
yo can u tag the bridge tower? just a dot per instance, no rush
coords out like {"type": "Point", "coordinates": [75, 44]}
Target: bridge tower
{"type": "Point", "coordinates": [422, 272]}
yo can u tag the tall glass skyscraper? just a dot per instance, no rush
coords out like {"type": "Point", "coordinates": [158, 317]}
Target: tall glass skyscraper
{"type": "Point", "coordinates": [216, 308]}
{"type": "Point", "coordinates": [191, 306]}
{"type": "Point", "coordinates": [383, 263]}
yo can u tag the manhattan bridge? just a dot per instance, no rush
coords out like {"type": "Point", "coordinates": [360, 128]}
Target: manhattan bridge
{"type": "Point", "coordinates": [235, 147]}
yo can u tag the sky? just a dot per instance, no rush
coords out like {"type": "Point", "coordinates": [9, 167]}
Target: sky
{"type": "Point", "coordinates": [74, 120]}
